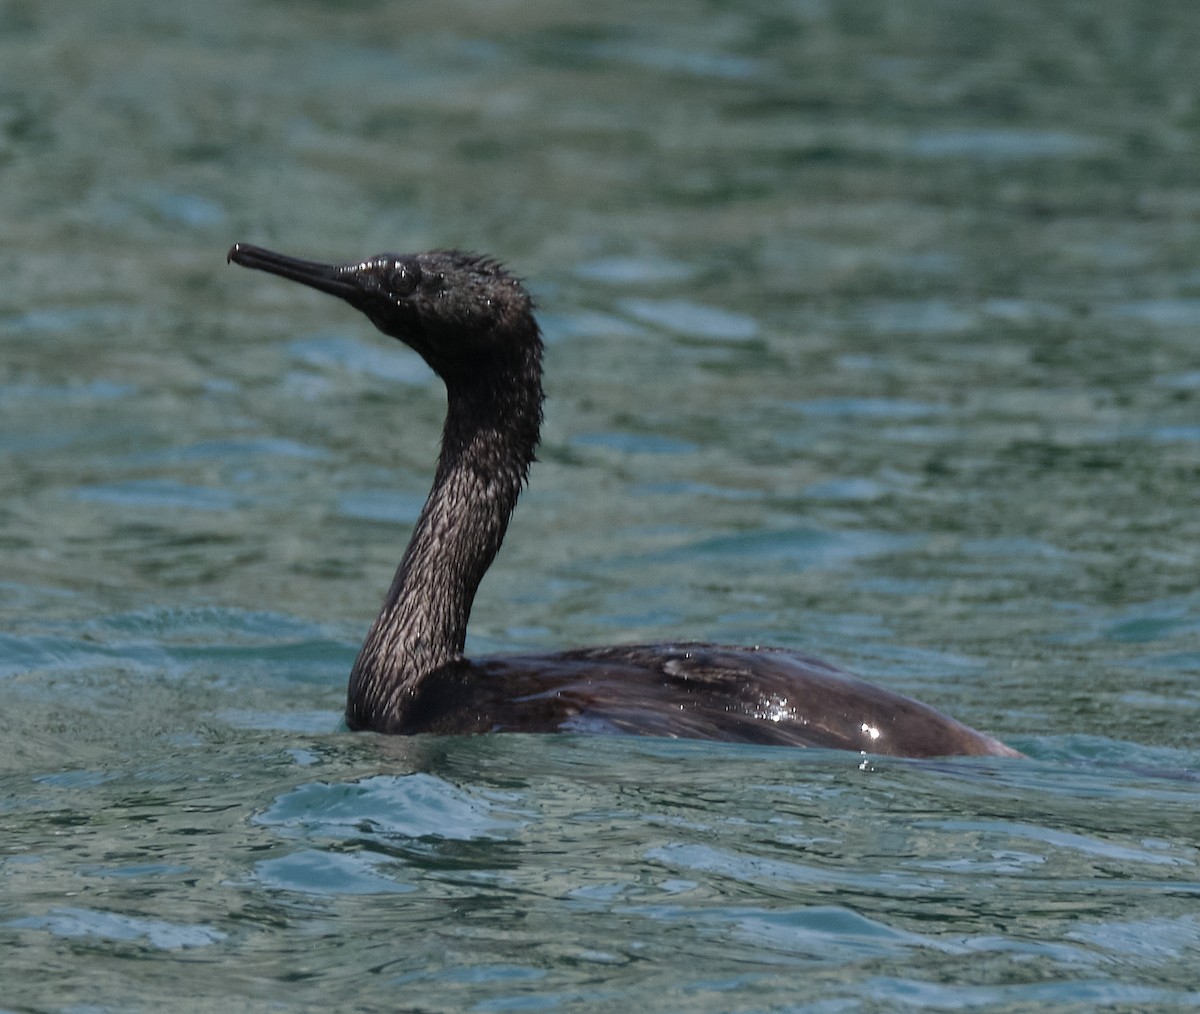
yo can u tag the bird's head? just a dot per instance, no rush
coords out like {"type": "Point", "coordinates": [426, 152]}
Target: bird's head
{"type": "Point", "coordinates": [461, 312]}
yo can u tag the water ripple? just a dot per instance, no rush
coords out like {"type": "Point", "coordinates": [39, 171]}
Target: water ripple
{"type": "Point", "coordinates": [87, 922]}
{"type": "Point", "coordinates": [412, 806]}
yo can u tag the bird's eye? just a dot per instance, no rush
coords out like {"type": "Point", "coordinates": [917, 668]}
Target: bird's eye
{"type": "Point", "coordinates": [405, 277]}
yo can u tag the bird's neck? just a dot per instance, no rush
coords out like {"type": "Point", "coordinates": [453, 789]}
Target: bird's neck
{"type": "Point", "coordinates": [491, 432]}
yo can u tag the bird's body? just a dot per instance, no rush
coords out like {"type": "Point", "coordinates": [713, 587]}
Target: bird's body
{"type": "Point", "coordinates": [767, 696]}
{"type": "Point", "coordinates": [473, 324]}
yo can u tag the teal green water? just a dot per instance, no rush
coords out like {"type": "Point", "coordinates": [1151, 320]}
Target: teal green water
{"type": "Point", "coordinates": [874, 331]}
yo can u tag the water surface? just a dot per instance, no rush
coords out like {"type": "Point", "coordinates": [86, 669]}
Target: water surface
{"type": "Point", "coordinates": [873, 330]}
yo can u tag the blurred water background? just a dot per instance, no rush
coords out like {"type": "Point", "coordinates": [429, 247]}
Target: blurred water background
{"type": "Point", "coordinates": [874, 331]}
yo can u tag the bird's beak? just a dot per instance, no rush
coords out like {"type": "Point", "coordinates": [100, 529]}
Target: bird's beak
{"type": "Point", "coordinates": [338, 280]}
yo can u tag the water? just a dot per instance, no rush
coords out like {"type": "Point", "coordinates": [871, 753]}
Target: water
{"type": "Point", "coordinates": [873, 332]}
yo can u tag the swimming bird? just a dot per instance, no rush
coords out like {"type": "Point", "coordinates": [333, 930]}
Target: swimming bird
{"type": "Point", "coordinates": [473, 323]}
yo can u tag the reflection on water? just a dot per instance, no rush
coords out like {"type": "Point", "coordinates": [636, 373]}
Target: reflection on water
{"type": "Point", "coordinates": [871, 331]}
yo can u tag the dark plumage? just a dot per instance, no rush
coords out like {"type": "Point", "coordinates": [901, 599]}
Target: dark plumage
{"type": "Point", "coordinates": [473, 323]}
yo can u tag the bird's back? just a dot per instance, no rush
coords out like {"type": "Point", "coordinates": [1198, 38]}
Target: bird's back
{"type": "Point", "coordinates": [692, 691]}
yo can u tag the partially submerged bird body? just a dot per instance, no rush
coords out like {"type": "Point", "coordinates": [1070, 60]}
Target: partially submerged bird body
{"type": "Point", "coordinates": [473, 324]}
{"type": "Point", "coordinates": [768, 696]}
